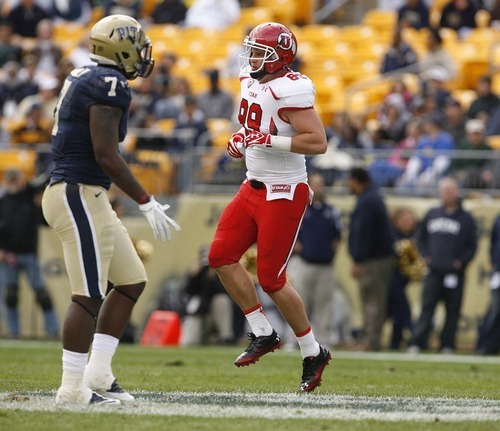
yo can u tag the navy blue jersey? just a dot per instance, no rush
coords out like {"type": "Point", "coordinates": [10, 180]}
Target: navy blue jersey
{"type": "Point", "coordinates": [72, 150]}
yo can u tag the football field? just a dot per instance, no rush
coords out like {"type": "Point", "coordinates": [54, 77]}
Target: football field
{"type": "Point", "coordinates": [201, 389]}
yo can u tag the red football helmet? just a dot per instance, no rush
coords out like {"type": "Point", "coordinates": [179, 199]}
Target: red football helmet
{"type": "Point", "coordinates": [278, 43]}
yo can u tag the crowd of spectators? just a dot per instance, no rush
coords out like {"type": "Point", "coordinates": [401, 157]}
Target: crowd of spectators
{"type": "Point", "coordinates": [410, 121]}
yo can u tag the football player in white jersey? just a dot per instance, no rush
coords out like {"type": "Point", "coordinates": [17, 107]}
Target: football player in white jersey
{"type": "Point", "coordinates": [279, 127]}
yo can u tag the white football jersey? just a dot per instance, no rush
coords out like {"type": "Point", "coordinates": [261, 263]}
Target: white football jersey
{"type": "Point", "coordinates": [260, 109]}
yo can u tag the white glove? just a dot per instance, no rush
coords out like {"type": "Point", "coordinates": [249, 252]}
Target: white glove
{"type": "Point", "coordinates": [160, 222]}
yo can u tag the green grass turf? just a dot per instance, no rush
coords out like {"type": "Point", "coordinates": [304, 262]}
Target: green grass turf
{"type": "Point", "coordinates": [36, 366]}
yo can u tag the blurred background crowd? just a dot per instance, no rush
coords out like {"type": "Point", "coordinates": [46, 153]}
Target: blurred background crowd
{"type": "Point", "coordinates": [398, 82]}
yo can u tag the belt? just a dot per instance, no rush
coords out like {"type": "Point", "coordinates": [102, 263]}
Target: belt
{"type": "Point", "coordinates": [258, 185]}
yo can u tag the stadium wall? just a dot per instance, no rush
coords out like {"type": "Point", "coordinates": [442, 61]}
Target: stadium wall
{"type": "Point", "coordinates": [198, 216]}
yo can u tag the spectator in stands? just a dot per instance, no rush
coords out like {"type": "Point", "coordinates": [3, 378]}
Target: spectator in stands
{"type": "Point", "coordinates": [46, 51]}
{"type": "Point", "coordinates": [172, 102]}
{"type": "Point", "coordinates": [454, 119]}
{"type": "Point", "coordinates": [410, 266]}
{"type": "Point", "coordinates": [472, 169]}
{"type": "Point", "coordinates": [209, 308]}
{"type": "Point", "coordinates": [28, 75]}
{"type": "Point", "coordinates": [32, 129]}
{"type": "Point", "coordinates": [163, 71]}
{"type": "Point", "coordinates": [46, 97]}
{"type": "Point", "coordinates": [20, 217]}
{"type": "Point", "coordinates": [9, 49]}
{"type": "Point", "coordinates": [191, 118]}
{"type": "Point", "coordinates": [386, 171]}
{"type": "Point", "coordinates": [393, 117]}
{"type": "Point", "coordinates": [348, 138]}
{"type": "Point", "coordinates": [437, 57]}
{"type": "Point", "coordinates": [213, 14]}
{"type": "Point", "coordinates": [434, 83]}
{"type": "Point", "coordinates": [495, 15]}
{"type": "Point", "coordinates": [370, 246]}
{"type": "Point", "coordinates": [447, 239]}
{"type": "Point", "coordinates": [169, 12]}
{"type": "Point", "coordinates": [145, 95]}
{"type": "Point", "coordinates": [80, 54]}
{"type": "Point", "coordinates": [414, 13]}
{"type": "Point", "coordinates": [486, 99]}
{"type": "Point", "coordinates": [459, 15]}
{"type": "Point", "coordinates": [432, 157]}
{"type": "Point", "coordinates": [131, 8]}
{"type": "Point", "coordinates": [79, 11]}
{"type": "Point", "coordinates": [493, 122]}
{"type": "Point", "coordinates": [360, 122]}
{"type": "Point", "coordinates": [25, 18]}
{"type": "Point", "coordinates": [310, 268]}
{"type": "Point", "coordinates": [11, 89]}
{"type": "Point", "coordinates": [216, 102]}
{"type": "Point", "coordinates": [400, 54]}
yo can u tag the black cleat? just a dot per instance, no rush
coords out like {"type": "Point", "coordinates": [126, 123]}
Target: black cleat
{"type": "Point", "coordinates": [313, 368]}
{"type": "Point", "coordinates": [258, 347]}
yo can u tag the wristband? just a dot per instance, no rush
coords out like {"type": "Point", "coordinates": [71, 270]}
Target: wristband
{"type": "Point", "coordinates": [143, 199]}
{"type": "Point", "coordinates": [283, 143]}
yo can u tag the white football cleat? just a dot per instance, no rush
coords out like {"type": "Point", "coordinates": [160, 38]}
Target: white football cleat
{"type": "Point", "coordinates": [84, 397]}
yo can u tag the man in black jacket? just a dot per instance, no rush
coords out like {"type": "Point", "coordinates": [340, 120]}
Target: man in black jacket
{"type": "Point", "coordinates": [447, 239]}
{"type": "Point", "coordinates": [371, 249]}
{"type": "Point", "coordinates": [20, 215]}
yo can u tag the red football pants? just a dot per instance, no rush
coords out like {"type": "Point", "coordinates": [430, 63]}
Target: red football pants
{"type": "Point", "coordinates": [273, 225]}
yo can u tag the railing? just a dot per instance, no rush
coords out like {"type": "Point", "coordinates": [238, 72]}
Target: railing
{"type": "Point", "coordinates": [328, 9]}
{"type": "Point", "coordinates": [205, 169]}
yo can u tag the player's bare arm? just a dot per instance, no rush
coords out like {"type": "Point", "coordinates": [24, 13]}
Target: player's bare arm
{"type": "Point", "coordinates": [104, 126]}
{"type": "Point", "coordinates": [310, 137]}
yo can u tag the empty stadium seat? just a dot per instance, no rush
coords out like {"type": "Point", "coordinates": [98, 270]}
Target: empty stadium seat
{"type": "Point", "coordinates": [465, 97]}
{"type": "Point", "coordinates": [283, 11]}
{"type": "Point", "coordinates": [493, 141]}
{"type": "Point", "coordinates": [252, 16]}
{"type": "Point", "coordinates": [380, 19]}
{"type": "Point", "coordinates": [220, 130]}
{"type": "Point", "coordinates": [24, 160]}
{"type": "Point", "coordinates": [154, 170]}
{"type": "Point", "coordinates": [319, 34]}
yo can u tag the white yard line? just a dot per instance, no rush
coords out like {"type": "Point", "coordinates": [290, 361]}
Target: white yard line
{"type": "Point", "coordinates": [277, 406]}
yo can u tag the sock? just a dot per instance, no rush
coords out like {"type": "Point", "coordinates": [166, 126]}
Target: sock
{"type": "Point", "coordinates": [73, 365]}
{"type": "Point", "coordinates": [258, 321]}
{"type": "Point", "coordinates": [308, 344]}
{"type": "Point", "coordinates": [99, 366]}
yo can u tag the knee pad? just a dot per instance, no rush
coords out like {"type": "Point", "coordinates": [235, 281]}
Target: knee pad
{"type": "Point", "coordinates": [43, 298]}
{"type": "Point", "coordinates": [11, 297]}
{"type": "Point", "coordinates": [269, 282]}
{"type": "Point", "coordinates": [214, 256]}
{"type": "Point", "coordinates": [90, 305]}
{"type": "Point", "coordinates": [132, 291]}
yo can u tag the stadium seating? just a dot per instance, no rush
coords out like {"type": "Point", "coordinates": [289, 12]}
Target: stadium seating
{"type": "Point", "coordinates": [283, 11]}
{"type": "Point", "coordinates": [22, 159]}
{"type": "Point", "coordinates": [220, 131]}
{"type": "Point", "coordinates": [155, 171]}
{"type": "Point", "coordinates": [494, 141]}
{"type": "Point", "coordinates": [252, 16]}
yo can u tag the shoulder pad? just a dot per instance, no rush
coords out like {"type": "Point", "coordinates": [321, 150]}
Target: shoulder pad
{"type": "Point", "coordinates": [294, 89]}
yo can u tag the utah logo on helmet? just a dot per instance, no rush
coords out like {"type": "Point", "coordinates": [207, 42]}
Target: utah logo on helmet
{"type": "Point", "coordinates": [278, 43]}
{"type": "Point", "coordinates": [118, 40]}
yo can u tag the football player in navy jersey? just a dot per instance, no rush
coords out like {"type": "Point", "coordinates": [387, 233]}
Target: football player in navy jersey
{"type": "Point", "coordinates": [90, 120]}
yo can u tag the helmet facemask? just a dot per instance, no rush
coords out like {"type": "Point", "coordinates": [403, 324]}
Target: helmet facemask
{"type": "Point", "coordinates": [269, 56]}
{"type": "Point", "coordinates": [119, 41]}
